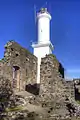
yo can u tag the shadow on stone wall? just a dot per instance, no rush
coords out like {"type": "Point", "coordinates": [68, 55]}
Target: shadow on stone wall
{"type": "Point", "coordinates": [61, 69]}
{"type": "Point", "coordinates": [70, 108]}
{"type": "Point", "coordinates": [77, 94]}
{"type": "Point", "coordinates": [34, 89]}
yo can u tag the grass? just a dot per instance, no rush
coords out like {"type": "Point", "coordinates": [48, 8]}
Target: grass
{"type": "Point", "coordinates": [53, 55]}
{"type": "Point", "coordinates": [18, 108]}
{"type": "Point", "coordinates": [3, 99]}
{"type": "Point", "coordinates": [78, 101]}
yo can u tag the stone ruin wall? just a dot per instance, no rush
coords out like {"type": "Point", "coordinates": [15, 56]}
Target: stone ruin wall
{"type": "Point", "coordinates": [73, 87]}
{"type": "Point", "coordinates": [55, 94]}
{"type": "Point", "coordinates": [70, 88]}
{"type": "Point", "coordinates": [15, 55]}
{"type": "Point", "coordinates": [77, 88]}
{"type": "Point", "coordinates": [52, 77]}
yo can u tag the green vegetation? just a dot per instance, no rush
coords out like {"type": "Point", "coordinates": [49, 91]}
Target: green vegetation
{"type": "Point", "coordinates": [53, 55]}
{"type": "Point", "coordinates": [3, 60]}
{"type": "Point", "coordinates": [78, 101]}
{"type": "Point", "coordinates": [18, 108]}
{"type": "Point", "coordinates": [3, 99]}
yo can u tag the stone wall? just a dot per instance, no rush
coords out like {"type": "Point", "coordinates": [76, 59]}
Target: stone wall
{"type": "Point", "coordinates": [51, 78]}
{"type": "Point", "coordinates": [77, 89]}
{"type": "Point", "coordinates": [52, 72]}
{"type": "Point", "coordinates": [57, 65]}
{"type": "Point", "coordinates": [55, 94]}
{"type": "Point", "coordinates": [52, 95]}
{"type": "Point", "coordinates": [69, 85]}
{"type": "Point", "coordinates": [21, 59]}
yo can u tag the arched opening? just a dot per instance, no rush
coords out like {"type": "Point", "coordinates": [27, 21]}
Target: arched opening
{"type": "Point", "coordinates": [16, 77]}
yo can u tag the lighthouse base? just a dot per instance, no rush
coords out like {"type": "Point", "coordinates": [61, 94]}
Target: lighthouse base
{"type": "Point", "coordinates": [42, 49]}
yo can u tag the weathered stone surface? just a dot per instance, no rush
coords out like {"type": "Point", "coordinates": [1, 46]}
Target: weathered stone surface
{"type": "Point", "coordinates": [56, 95]}
{"type": "Point", "coordinates": [24, 63]}
{"type": "Point", "coordinates": [52, 93]}
{"type": "Point", "coordinates": [52, 99]}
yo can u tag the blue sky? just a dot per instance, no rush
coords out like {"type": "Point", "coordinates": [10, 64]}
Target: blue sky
{"type": "Point", "coordinates": [17, 22]}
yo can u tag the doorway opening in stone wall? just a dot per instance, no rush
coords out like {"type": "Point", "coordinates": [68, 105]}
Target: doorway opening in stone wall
{"type": "Point", "coordinates": [16, 77]}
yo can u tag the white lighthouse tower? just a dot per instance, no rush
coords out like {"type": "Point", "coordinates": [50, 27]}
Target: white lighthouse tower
{"type": "Point", "coordinates": [44, 46]}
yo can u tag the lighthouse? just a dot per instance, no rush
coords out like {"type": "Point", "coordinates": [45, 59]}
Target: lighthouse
{"type": "Point", "coordinates": [43, 46]}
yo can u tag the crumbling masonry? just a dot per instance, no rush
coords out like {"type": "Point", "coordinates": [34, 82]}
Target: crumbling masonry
{"type": "Point", "coordinates": [53, 93]}
{"type": "Point", "coordinates": [20, 67]}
